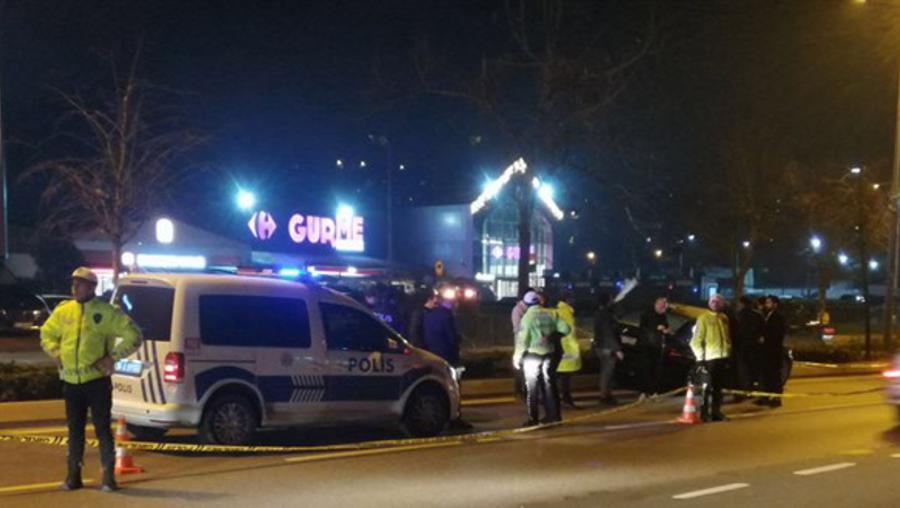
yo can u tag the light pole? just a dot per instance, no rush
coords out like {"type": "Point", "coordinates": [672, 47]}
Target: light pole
{"type": "Point", "coordinates": [385, 143]}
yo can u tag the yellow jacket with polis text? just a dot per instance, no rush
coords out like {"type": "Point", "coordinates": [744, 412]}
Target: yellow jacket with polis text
{"type": "Point", "coordinates": [79, 334]}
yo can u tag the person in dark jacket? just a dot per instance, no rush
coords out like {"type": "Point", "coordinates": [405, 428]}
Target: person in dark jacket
{"type": "Point", "coordinates": [772, 351]}
{"type": "Point", "coordinates": [439, 332]}
{"type": "Point", "coordinates": [748, 337]}
{"type": "Point", "coordinates": [415, 332]}
{"type": "Point", "coordinates": [607, 345]}
{"type": "Point", "coordinates": [654, 326]}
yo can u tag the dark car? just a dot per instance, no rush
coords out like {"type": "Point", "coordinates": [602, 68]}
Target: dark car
{"type": "Point", "coordinates": [678, 358]}
{"type": "Point", "coordinates": [21, 311]}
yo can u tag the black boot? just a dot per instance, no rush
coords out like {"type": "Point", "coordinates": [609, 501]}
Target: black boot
{"type": "Point", "coordinates": [109, 480]}
{"type": "Point", "coordinates": [73, 478]}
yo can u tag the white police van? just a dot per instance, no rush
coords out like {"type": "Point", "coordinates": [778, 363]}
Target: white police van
{"type": "Point", "coordinates": [229, 354]}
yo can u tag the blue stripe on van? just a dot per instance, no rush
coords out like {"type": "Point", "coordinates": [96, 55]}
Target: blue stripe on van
{"type": "Point", "coordinates": [149, 373]}
{"type": "Point", "coordinates": [156, 368]}
{"type": "Point", "coordinates": [336, 389]}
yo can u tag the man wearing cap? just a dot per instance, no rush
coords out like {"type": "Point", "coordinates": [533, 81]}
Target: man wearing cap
{"type": "Point", "coordinates": [81, 336]}
{"type": "Point", "coordinates": [534, 355]}
{"type": "Point", "coordinates": [711, 345]}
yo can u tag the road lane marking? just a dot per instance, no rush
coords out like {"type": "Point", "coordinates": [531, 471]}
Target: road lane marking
{"type": "Point", "coordinates": [36, 486]}
{"type": "Point", "coordinates": [362, 453]}
{"type": "Point", "coordinates": [640, 425]}
{"type": "Point", "coordinates": [712, 490]}
{"type": "Point", "coordinates": [824, 469]}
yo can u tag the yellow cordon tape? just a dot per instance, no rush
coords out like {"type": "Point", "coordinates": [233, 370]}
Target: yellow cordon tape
{"type": "Point", "coordinates": [487, 436]}
{"type": "Point", "coordinates": [204, 448]}
{"type": "Point", "coordinates": [869, 366]}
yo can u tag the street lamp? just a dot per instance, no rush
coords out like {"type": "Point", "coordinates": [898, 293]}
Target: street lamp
{"type": "Point", "coordinates": [816, 243]}
{"type": "Point", "coordinates": [873, 265]}
{"type": "Point", "coordinates": [245, 200]}
{"type": "Point", "coordinates": [658, 253]}
{"type": "Point", "coordinates": [843, 259]}
{"type": "Point", "coordinates": [746, 244]}
{"type": "Point", "coordinates": [691, 238]}
{"type": "Point", "coordinates": [591, 256]}
{"type": "Point", "coordinates": [855, 170]}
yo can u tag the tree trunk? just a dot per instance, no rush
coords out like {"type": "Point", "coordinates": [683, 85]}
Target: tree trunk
{"type": "Point", "coordinates": [525, 201]}
{"type": "Point", "coordinates": [116, 258]}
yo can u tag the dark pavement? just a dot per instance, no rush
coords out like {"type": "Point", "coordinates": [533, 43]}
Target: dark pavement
{"type": "Point", "coordinates": [633, 458]}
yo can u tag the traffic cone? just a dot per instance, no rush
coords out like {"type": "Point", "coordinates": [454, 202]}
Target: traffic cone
{"type": "Point", "coordinates": [124, 462]}
{"type": "Point", "coordinates": [689, 413]}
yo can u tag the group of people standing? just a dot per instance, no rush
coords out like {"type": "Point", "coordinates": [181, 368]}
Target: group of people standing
{"type": "Point", "coordinates": [742, 349]}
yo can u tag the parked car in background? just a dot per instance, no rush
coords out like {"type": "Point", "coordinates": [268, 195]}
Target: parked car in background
{"type": "Point", "coordinates": [22, 311]}
{"type": "Point", "coordinates": [678, 358]}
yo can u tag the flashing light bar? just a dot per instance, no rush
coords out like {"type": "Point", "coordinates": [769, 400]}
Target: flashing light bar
{"type": "Point", "coordinates": [493, 188]}
{"type": "Point", "coordinates": [290, 272]}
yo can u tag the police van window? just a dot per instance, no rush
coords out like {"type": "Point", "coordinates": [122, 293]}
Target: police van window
{"type": "Point", "coordinates": [150, 308]}
{"type": "Point", "coordinates": [349, 329]}
{"type": "Point", "coordinates": [262, 321]}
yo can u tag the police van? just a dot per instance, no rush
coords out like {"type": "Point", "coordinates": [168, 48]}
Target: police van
{"type": "Point", "coordinates": [230, 354]}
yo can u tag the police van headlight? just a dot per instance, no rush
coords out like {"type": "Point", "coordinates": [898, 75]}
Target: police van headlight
{"type": "Point", "coordinates": [456, 372]}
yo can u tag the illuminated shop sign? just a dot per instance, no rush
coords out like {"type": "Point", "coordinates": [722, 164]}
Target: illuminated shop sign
{"type": "Point", "coordinates": [344, 232]}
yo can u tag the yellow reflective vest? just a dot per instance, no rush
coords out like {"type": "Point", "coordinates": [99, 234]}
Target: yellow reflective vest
{"type": "Point", "coordinates": [79, 334]}
{"type": "Point", "coordinates": [711, 340]}
{"type": "Point", "coordinates": [571, 359]}
{"type": "Point", "coordinates": [533, 337]}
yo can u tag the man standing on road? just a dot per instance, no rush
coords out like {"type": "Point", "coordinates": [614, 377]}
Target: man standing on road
{"type": "Point", "coordinates": [654, 327]}
{"type": "Point", "coordinates": [415, 332]}
{"type": "Point", "coordinates": [81, 336]}
{"type": "Point", "coordinates": [747, 339]}
{"type": "Point", "coordinates": [535, 354]}
{"type": "Point", "coordinates": [439, 332]}
{"type": "Point", "coordinates": [772, 351]}
{"type": "Point", "coordinates": [711, 345]}
{"type": "Point", "coordinates": [570, 361]}
{"type": "Point", "coordinates": [607, 345]}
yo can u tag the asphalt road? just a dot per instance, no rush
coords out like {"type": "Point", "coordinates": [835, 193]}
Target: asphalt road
{"type": "Point", "coordinates": [820, 451]}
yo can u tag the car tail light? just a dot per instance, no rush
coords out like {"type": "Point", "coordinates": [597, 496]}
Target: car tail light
{"type": "Point", "coordinates": [470, 294]}
{"type": "Point", "coordinates": [828, 330]}
{"type": "Point", "coordinates": [173, 371]}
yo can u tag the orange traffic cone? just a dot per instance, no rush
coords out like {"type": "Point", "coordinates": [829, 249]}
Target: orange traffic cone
{"type": "Point", "coordinates": [124, 463]}
{"type": "Point", "coordinates": [689, 413]}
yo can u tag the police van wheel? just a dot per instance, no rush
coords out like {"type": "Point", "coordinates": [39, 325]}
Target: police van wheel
{"type": "Point", "coordinates": [229, 420]}
{"type": "Point", "coordinates": [142, 433]}
{"type": "Point", "coordinates": [426, 412]}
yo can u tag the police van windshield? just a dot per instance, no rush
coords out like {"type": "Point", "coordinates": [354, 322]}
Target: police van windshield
{"type": "Point", "coordinates": [150, 308]}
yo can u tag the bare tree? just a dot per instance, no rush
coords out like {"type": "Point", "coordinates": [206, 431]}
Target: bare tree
{"type": "Point", "coordinates": [129, 154]}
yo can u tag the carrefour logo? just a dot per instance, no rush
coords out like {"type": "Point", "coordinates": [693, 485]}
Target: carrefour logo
{"type": "Point", "coordinates": [343, 233]}
{"type": "Point", "coordinates": [262, 225]}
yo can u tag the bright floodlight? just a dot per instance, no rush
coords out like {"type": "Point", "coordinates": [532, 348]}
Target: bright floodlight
{"type": "Point", "coordinates": [816, 243]}
{"type": "Point", "coordinates": [245, 200]}
{"type": "Point", "coordinates": [843, 259]}
{"type": "Point", "coordinates": [165, 231]}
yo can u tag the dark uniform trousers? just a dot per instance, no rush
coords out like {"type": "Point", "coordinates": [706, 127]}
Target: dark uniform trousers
{"type": "Point", "coordinates": [96, 395]}
{"type": "Point", "coordinates": [540, 383]}
{"type": "Point", "coordinates": [712, 395]}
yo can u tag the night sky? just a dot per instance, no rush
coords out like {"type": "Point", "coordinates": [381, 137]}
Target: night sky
{"type": "Point", "coordinates": [286, 88]}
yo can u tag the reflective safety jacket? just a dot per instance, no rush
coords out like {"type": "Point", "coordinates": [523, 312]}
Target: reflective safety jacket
{"type": "Point", "coordinates": [79, 334]}
{"type": "Point", "coordinates": [711, 340]}
{"type": "Point", "coordinates": [534, 334]}
{"type": "Point", "coordinates": [571, 358]}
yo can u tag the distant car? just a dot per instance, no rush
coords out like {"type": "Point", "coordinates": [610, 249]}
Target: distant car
{"type": "Point", "coordinates": [678, 358]}
{"type": "Point", "coordinates": [21, 311]}
{"type": "Point", "coordinates": [892, 375]}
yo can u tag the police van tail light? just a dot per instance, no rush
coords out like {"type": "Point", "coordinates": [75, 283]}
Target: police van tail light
{"type": "Point", "coordinates": [173, 370]}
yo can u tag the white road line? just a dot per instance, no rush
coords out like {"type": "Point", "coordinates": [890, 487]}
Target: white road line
{"type": "Point", "coordinates": [710, 491]}
{"type": "Point", "coordinates": [640, 425]}
{"type": "Point", "coordinates": [824, 469]}
{"type": "Point", "coordinates": [375, 451]}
